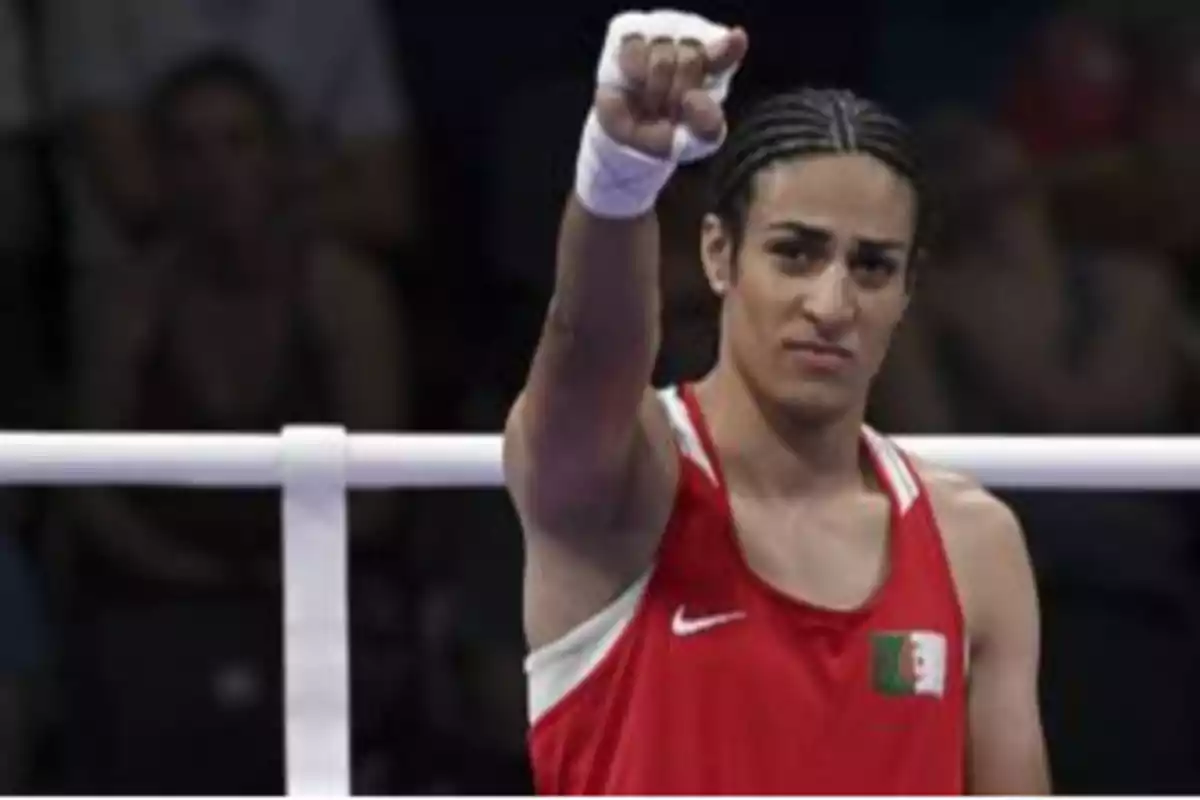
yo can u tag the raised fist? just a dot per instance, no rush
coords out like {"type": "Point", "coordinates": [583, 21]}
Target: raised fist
{"type": "Point", "coordinates": [662, 79]}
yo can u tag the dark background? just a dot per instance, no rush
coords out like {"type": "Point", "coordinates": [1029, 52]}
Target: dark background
{"type": "Point", "coordinates": [349, 216]}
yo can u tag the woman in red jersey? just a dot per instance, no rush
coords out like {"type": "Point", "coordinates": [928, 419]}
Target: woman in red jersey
{"type": "Point", "coordinates": [736, 587]}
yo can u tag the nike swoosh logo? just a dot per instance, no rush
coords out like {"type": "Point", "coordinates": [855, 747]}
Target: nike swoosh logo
{"type": "Point", "coordinates": [682, 626]}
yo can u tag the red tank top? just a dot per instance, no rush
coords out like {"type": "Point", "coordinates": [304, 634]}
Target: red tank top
{"type": "Point", "coordinates": [703, 679]}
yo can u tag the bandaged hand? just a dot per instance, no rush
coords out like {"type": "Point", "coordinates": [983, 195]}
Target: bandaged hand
{"type": "Point", "coordinates": [661, 82]}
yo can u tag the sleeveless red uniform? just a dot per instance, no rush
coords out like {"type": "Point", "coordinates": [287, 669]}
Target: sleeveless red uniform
{"type": "Point", "coordinates": [702, 679]}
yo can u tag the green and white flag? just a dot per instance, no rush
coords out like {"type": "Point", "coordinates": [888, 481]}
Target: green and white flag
{"type": "Point", "coordinates": [909, 663]}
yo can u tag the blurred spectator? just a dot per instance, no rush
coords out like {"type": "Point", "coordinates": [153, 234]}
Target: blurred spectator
{"type": "Point", "coordinates": [1087, 340]}
{"type": "Point", "coordinates": [329, 58]}
{"type": "Point", "coordinates": [243, 320]}
{"type": "Point", "coordinates": [1165, 181]}
{"type": "Point", "coordinates": [472, 737]}
{"type": "Point", "coordinates": [1069, 90]}
{"type": "Point", "coordinates": [1142, 189]}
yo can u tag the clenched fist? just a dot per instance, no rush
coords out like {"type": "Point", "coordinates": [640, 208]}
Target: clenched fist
{"type": "Point", "coordinates": [663, 76]}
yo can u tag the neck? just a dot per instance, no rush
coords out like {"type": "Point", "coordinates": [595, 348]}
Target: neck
{"type": "Point", "coordinates": [771, 451]}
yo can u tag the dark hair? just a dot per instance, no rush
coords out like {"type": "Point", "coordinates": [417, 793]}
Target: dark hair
{"type": "Point", "coordinates": [804, 122]}
{"type": "Point", "coordinates": [216, 69]}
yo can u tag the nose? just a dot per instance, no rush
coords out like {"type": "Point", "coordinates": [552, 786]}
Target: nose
{"type": "Point", "coordinates": [830, 304]}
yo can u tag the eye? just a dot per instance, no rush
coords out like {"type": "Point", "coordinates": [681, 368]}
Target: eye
{"type": "Point", "coordinates": [796, 255]}
{"type": "Point", "coordinates": [877, 263]}
{"type": "Point", "coordinates": [873, 267]}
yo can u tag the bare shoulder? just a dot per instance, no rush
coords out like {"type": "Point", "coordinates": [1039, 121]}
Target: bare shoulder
{"type": "Point", "coordinates": [965, 507]}
{"type": "Point", "coordinates": [984, 543]}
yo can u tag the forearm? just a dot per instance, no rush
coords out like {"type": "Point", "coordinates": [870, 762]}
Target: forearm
{"type": "Point", "coordinates": [579, 411]}
{"type": "Point", "coordinates": [604, 313]}
{"type": "Point", "coordinates": [601, 334]}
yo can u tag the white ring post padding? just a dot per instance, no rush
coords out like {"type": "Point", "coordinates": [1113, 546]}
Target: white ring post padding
{"type": "Point", "coordinates": [141, 459]}
{"type": "Point", "coordinates": [379, 461]}
{"type": "Point", "coordinates": [241, 460]}
{"type": "Point", "coordinates": [1101, 463]}
{"type": "Point", "coordinates": [315, 618]}
{"type": "Point", "coordinates": [429, 461]}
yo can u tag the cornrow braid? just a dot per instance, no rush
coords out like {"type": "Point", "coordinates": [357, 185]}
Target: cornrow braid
{"type": "Point", "coordinates": [806, 122]}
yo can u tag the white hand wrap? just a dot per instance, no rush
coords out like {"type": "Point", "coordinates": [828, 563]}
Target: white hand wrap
{"type": "Point", "coordinates": [616, 181]}
{"type": "Point", "coordinates": [676, 26]}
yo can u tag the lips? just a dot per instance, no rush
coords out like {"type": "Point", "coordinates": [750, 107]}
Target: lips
{"type": "Point", "coordinates": [821, 349]}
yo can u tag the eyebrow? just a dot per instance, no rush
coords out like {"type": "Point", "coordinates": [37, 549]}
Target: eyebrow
{"type": "Point", "coordinates": [814, 233]}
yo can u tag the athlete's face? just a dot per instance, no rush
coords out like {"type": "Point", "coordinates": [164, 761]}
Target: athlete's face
{"type": "Point", "coordinates": [814, 292]}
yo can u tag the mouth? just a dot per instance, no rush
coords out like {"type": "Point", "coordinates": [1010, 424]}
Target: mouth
{"type": "Point", "coordinates": [819, 355]}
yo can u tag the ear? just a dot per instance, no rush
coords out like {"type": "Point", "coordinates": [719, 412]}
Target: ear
{"type": "Point", "coordinates": [716, 253]}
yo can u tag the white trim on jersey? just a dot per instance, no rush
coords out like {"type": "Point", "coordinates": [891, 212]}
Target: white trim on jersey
{"type": "Point", "coordinates": [685, 430]}
{"type": "Point", "coordinates": [907, 489]}
{"type": "Point", "coordinates": [903, 483]}
{"type": "Point", "coordinates": [556, 669]}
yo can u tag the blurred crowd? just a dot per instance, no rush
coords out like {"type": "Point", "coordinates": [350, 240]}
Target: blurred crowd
{"type": "Point", "coordinates": [231, 215]}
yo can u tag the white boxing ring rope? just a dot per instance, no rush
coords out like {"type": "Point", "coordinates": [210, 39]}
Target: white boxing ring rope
{"type": "Point", "coordinates": [315, 466]}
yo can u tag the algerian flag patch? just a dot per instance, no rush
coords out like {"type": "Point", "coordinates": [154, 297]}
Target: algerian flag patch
{"type": "Point", "coordinates": [908, 663]}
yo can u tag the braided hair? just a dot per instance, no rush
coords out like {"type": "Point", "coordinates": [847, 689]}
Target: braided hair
{"type": "Point", "coordinates": [805, 122]}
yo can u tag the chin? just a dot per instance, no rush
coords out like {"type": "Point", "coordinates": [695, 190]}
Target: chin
{"type": "Point", "coordinates": [813, 402]}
